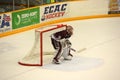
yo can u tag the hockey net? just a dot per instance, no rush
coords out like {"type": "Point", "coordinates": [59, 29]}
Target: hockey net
{"type": "Point", "coordinates": [42, 46]}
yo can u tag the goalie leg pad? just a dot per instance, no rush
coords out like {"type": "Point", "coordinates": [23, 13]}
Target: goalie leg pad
{"type": "Point", "coordinates": [66, 54]}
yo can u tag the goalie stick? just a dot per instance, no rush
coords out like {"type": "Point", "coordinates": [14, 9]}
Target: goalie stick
{"type": "Point", "coordinates": [72, 49]}
{"type": "Point", "coordinates": [83, 49]}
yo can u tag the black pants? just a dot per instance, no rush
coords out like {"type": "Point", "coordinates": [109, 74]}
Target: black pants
{"type": "Point", "coordinates": [57, 46]}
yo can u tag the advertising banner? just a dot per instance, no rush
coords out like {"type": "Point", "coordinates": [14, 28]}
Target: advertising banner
{"type": "Point", "coordinates": [114, 6]}
{"type": "Point", "coordinates": [54, 11]}
{"type": "Point", "coordinates": [25, 18]}
{"type": "Point", "coordinates": [5, 22]}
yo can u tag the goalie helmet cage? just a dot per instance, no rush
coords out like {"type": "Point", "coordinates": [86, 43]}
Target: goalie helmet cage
{"type": "Point", "coordinates": [42, 45]}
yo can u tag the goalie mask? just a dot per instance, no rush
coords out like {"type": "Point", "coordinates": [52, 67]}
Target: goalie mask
{"type": "Point", "coordinates": [69, 29]}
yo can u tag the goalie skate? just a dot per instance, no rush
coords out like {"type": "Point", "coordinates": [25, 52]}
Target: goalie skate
{"type": "Point", "coordinates": [68, 57]}
{"type": "Point", "coordinates": [56, 61]}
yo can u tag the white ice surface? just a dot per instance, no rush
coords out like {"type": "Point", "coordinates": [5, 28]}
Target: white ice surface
{"type": "Point", "coordinates": [100, 61]}
{"type": "Point", "coordinates": [76, 64]}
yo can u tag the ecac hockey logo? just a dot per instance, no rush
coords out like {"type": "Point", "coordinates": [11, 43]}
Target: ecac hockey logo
{"type": "Point", "coordinates": [54, 11]}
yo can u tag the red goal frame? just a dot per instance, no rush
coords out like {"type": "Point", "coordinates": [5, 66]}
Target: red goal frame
{"type": "Point", "coordinates": [41, 45]}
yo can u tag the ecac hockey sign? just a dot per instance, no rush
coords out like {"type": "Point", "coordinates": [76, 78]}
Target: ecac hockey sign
{"type": "Point", "coordinates": [54, 11]}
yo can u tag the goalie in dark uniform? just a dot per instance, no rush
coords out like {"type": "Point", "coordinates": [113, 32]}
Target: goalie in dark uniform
{"type": "Point", "coordinates": [62, 45]}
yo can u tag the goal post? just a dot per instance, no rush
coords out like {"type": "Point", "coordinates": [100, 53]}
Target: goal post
{"type": "Point", "coordinates": [42, 45]}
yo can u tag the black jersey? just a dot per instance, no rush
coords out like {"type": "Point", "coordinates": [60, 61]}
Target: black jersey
{"type": "Point", "coordinates": [62, 34]}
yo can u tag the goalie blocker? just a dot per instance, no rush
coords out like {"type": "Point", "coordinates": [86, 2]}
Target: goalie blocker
{"type": "Point", "coordinates": [61, 44]}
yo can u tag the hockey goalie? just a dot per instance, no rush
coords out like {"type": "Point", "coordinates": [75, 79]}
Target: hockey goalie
{"type": "Point", "coordinates": [61, 44]}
